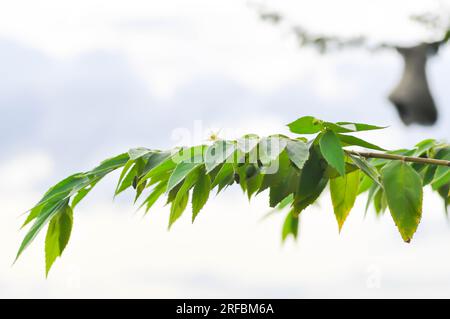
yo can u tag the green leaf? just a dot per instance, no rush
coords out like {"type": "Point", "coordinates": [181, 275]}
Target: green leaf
{"type": "Point", "coordinates": [58, 235]}
{"type": "Point", "coordinates": [284, 182]}
{"type": "Point", "coordinates": [358, 127]}
{"type": "Point", "coordinates": [224, 177]}
{"type": "Point", "coordinates": [218, 153]}
{"type": "Point", "coordinates": [312, 181]}
{"type": "Point", "coordinates": [352, 140]}
{"type": "Point", "coordinates": [151, 199]}
{"type": "Point", "coordinates": [365, 183]}
{"type": "Point", "coordinates": [424, 146]}
{"type": "Point", "coordinates": [178, 207]}
{"type": "Point", "coordinates": [286, 201]}
{"type": "Point", "coordinates": [298, 152]}
{"type": "Point", "coordinates": [284, 186]}
{"type": "Point", "coordinates": [179, 173]}
{"type": "Point", "coordinates": [300, 203]}
{"type": "Point", "coordinates": [138, 152]}
{"type": "Point", "coordinates": [194, 154]}
{"type": "Point", "coordinates": [372, 191]}
{"type": "Point", "coordinates": [240, 175]}
{"type": "Point", "coordinates": [403, 188]}
{"type": "Point", "coordinates": [60, 191]}
{"type": "Point", "coordinates": [367, 168]}
{"type": "Point", "coordinates": [311, 175]}
{"type": "Point", "coordinates": [200, 194]}
{"type": "Point", "coordinates": [428, 174]}
{"type": "Point", "coordinates": [66, 186]}
{"type": "Point", "coordinates": [331, 172]}
{"type": "Point", "coordinates": [267, 181]}
{"type": "Point", "coordinates": [34, 212]}
{"type": "Point", "coordinates": [270, 148]}
{"type": "Point", "coordinates": [444, 192]}
{"type": "Point", "coordinates": [442, 174]}
{"type": "Point", "coordinates": [139, 166]}
{"type": "Point", "coordinates": [125, 170]}
{"type": "Point", "coordinates": [441, 177]}
{"type": "Point", "coordinates": [253, 183]}
{"type": "Point", "coordinates": [79, 184]}
{"type": "Point", "coordinates": [83, 193]}
{"type": "Point", "coordinates": [290, 226]}
{"type": "Point", "coordinates": [336, 128]}
{"type": "Point", "coordinates": [182, 197]}
{"type": "Point", "coordinates": [127, 181]}
{"type": "Point", "coordinates": [248, 143]}
{"type": "Point", "coordinates": [159, 163]}
{"type": "Point", "coordinates": [110, 165]}
{"type": "Point", "coordinates": [173, 194]}
{"type": "Point", "coordinates": [380, 201]}
{"type": "Point", "coordinates": [343, 194]}
{"type": "Point", "coordinates": [306, 125]}
{"type": "Point", "coordinates": [154, 161]}
{"type": "Point", "coordinates": [47, 212]}
{"type": "Point", "coordinates": [331, 149]}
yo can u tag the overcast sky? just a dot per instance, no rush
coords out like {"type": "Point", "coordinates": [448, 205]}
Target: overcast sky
{"type": "Point", "coordinates": [84, 80]}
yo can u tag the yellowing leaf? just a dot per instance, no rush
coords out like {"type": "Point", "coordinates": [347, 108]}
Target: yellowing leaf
{"type": "Point", "coordinates": [344, 190]}
{"type": "Point", "coordinates": [403, 188]}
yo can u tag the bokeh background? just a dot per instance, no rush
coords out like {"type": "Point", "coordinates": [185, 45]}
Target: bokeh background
{"type": "Point", "coordinates": [83, 80]}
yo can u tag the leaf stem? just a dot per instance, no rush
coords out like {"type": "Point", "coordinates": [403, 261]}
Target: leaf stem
{"type": "Point", "coordinates": [422, 160]}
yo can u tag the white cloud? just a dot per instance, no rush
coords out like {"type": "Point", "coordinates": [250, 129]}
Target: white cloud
{"type": "Point", "coordinates": [17, 175]}
{"type": "Point", "coordinates": [169, 42]}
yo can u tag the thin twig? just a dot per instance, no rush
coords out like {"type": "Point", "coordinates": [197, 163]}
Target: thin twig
{"type": "Point", "coordinates": [413, 159]}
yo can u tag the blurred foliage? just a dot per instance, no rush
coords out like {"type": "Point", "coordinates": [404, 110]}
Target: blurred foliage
{"type": "Point", "coordinates": [438, 22]}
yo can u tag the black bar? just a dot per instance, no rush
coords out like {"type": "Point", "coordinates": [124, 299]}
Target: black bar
{"type": "Point", "coordinates": [222, 308]}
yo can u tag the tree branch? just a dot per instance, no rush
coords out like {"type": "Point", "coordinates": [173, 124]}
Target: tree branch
{"type": "Point", "coordinates": [412, 159]}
